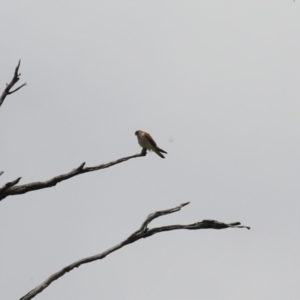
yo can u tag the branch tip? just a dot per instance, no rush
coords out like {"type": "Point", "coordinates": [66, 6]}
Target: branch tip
{"type": "Point", "coordinates": [17, 67]}
{"type": "Point", "coordinates": [7, 91]}
{"type": "Point", "coordinates": [24, 84]}
{"type": "Point", "coordinates": [81, 166]}
{"type": "Point", "coordinates": [15, 181]}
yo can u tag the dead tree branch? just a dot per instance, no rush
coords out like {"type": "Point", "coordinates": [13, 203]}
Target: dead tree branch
{"type": "Point", "coordinates": [143, 232]}
{"type": "Point", "coordinates": [9, 185]}
{"type": "Point", "coordinates": [15, 79]}
{"type": "Point", "coordinates": [11, 188]}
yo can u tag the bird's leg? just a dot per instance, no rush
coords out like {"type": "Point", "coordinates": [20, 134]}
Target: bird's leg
{"type": "Point", "coordinates": [144, 151]}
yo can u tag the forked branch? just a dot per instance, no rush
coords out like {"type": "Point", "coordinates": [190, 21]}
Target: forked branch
{"type": "Point", "coordinates": [15, 79]}
{"type": "Point", "coordinates": [11, 188]}
{"type": "Point", "coordinates": [143, 232]}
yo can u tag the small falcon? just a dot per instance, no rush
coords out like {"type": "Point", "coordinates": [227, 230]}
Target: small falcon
{"type": "Point", "coordinates": [146, 142]}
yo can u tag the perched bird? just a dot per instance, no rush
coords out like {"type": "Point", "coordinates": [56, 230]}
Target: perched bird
{"type": "Point", "coordinates": [146, 142]}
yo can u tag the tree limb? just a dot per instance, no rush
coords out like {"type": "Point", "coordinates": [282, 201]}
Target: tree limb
{"type": "Point", "coordinates": [9, 185]}
{"type": "Point", "coordinates": [15, 79]}
{"type": "Point", "coordinates": [143, 232]}
{"type": "Point", "coordinates": [11, 188]}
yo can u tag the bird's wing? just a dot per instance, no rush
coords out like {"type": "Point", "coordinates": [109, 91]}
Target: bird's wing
{"type": "Point", "coordinates": [150, 139]}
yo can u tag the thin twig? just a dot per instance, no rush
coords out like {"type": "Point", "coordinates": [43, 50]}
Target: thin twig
{"type": "Point", "coordinates": [11, 92]}
{"type": "Point", "coordinates": [15, 79]}
{"type": "Point", "coordinates": [158, 214]}
{"type": "Point", "coordinates": [143, 232]}
{"type": "Point", "coordinates": [10, 189]}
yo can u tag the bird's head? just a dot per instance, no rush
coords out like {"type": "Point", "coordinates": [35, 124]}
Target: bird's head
{"type": "Point", "coordinates": [137, 133]}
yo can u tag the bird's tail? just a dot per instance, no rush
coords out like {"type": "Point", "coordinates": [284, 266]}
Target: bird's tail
{"type": "Point", "coordinates": [158, 150]}
{"type": "Point", "coordinates": [158, 153]}
{"type": "Point", "coordinates": [161, 150]}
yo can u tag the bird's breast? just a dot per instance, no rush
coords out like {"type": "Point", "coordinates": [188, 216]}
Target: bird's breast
{"type": "Point", "coordinates": [144, 143]}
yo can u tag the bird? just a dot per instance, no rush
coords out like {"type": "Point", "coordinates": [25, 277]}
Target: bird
{"type": "Point", "coordinates": [147, 143]}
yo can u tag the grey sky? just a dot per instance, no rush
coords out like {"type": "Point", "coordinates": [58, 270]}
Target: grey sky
{"type": "Point", "coordinates": [216, 83]}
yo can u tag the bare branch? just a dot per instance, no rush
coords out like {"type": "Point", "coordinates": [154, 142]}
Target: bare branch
{"type": "Point", "coordinates": [157, 214]}
{"type": "Point", "coordinates": [17, 88]}
{"type": "Point", "coordinates": [15, 79]}
{"type": "Point", "coordinates": [9, 185]}
{"type": "Point", "coordinates": [10, 189]}
{"type": "Point", "coordinates": [143, 232]}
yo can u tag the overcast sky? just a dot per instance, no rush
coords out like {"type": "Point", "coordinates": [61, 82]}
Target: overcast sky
{"type": "Point", "coordinates": [216, 83]}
